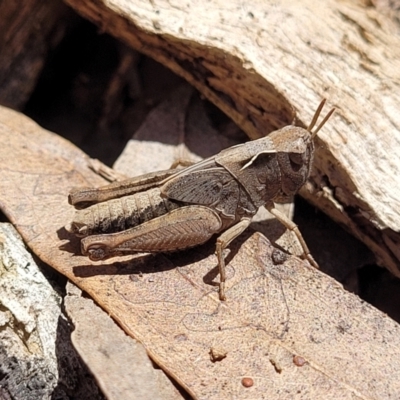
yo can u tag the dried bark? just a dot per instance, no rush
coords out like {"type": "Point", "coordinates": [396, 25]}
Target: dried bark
{"type": "Point", "coordinates": [265, 64]}
{"type": "Point", "coordinates": [37, 359]}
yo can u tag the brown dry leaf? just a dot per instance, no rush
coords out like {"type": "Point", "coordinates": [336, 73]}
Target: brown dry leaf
{"type": "Point", "coordinates": [120, 365]}
{"type": "Point", "coordinates": [274, 312]}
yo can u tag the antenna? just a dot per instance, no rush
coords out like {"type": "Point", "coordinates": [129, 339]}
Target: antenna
{"type": "Point", "coordinates": [315, 118]}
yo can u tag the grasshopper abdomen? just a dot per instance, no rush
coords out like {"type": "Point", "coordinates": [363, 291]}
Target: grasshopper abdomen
{"type": "Point", "coordinates": [120, 214]}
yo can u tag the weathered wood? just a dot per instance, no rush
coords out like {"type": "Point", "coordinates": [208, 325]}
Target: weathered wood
{"type": "Point", "coordinates": [37, 359]}
{"type": "Point", "coordinates": [267, 63]}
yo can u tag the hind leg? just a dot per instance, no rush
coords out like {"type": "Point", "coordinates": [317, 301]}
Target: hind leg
{"type": "Point", "coordinates": [179, 229]}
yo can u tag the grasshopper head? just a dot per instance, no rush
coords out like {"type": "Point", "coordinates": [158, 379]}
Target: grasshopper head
{"type": "Point", "coordinates": [295, 153]}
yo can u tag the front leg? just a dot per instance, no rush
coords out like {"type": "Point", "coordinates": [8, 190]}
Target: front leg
{"type": "Point", "coordinates": [289, 224]}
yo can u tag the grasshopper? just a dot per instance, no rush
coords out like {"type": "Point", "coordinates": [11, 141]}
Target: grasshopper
{"type": "Point", "coordinates": [180, 208]}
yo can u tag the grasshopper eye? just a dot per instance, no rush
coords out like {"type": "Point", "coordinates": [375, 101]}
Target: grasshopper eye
{"type": "Point", "coordinates": [296, 160]}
